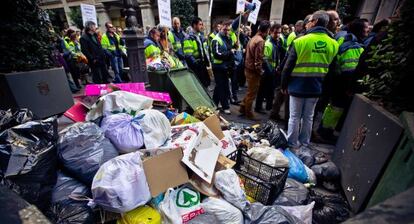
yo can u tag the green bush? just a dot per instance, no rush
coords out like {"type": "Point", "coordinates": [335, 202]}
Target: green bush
{"type": "Point", "coordinates": [26, 41]}
{"type": "Point", "coordinates": [184, 10]}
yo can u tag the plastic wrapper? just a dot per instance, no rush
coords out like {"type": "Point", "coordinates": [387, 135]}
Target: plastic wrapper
{"type": "Point", "coordinates": [269, 156]}
{"type": "Point", "coordinates": [329, 208]}
{"type": "Point", "coordinates": [9, 119]}
{"type": "Point", "coordinates": [82, 149]}
{"type": "Point", "coordinates": [28, 160]}
{"type": "Point", "coordinates": [155, 126]}
{"type": "Point", "coordinates": [183, 118]}
{"type": "Point", "coordinates": [302, 212]}
{"type": "Point", "coordinates": [228, 183]}
{"type": "Point", "coordinates": [297, 169]}
{"type": "Point", "coordinates": [118, 102]}
{"type": "Point", "coordinates": [66, 210]}
{"type": "Point", "coordinates": [123, 131]}
{"type": "Point", "coordinates": [294, 193]}
{"type": "Point", "coordinates": [311, 175]}
{"type": "Point", "coordinates": [327, 171]}
{"type": "Point", "coordinates": [181, 205]}
{"type": "Point", "coordinates": [120, 184]}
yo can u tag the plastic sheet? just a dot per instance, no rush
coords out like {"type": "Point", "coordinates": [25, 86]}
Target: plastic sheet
{"type": "Point", "coordinates": [28, 160]}
{"type": "Point", "coordinates": [118, 102]}
{"type": "Point", "coordinates": [123, 131]}
{"type": "Point", "coordinates": [66, 210]}
{"type": "Point", "coordinates": [9, 119]}
{"type": "Point", "coordinates": [302, 212]}
{"type": "Point", "coordinates": [155, 126]}
{"type": "Point", "coordinates": [294, 193]}
{"type": "Point", "coordinates": [120, 184]}
{"type": "Point", "coordinates": [82, 149]}
{"type": "Point", "coordinates": [259, 213]}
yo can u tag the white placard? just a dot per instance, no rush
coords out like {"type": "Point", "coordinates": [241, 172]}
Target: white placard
{"type": "Point", "coordinates": [88, 13]}
{"type": "Point", "coordinates": [164, 12]}
{"type": "Point", "coordinates": [253, 15]}
{"type": "Point", "coordinates": [240, 6]}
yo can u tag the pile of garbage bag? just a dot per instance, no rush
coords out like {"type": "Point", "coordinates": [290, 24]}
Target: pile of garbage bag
{"type": "Point", "coordinates": [143, 165]}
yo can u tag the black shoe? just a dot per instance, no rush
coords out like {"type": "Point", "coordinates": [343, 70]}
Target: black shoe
{"type": "Point", "coordinates": [260, 111]}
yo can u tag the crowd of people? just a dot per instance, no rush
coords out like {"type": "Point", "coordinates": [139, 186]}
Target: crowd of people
{"type": "Point", "coordinates": [312, 67]}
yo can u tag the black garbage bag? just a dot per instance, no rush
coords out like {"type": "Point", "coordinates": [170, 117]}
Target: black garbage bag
{"type": "Point", "coordinates": [259, 213]}
{"type": "Point", "coordinates": [327, 171]}
{"type": "Point", "coordinates": [66, 210]}
{"type": "Point", "coordinates": [329, 208]}
{"type": "Point", "coordinates": [271, 131]}
{"type": "Point", "coordinates": [82, 149]}
{"type": "Point", "coordinates": [28, 160]}
{"type": "Point", "coordinates": [9, 119]}
{"type": "Point", "coordinates": [306, 155]}
{"type": "Point", "coordinates": [320, 157]}
{"type": "Point", "coordinates": [294, 193]}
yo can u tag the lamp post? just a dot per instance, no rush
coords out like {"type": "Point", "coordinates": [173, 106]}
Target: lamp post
{"type": "Point", "coordinates": [134, 41]}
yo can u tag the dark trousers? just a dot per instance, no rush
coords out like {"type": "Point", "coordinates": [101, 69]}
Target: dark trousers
{"type": "Point", "coordinates": [222, 89]}
{"type": "Point", "coordinates": [74, 71]}
{"type": "Point", "coordinates": [266, 91]}
{"type": "Point", "coordinates": [200, 70]}
{"type": "Point", "coordinates": [238, 72]}
{"type": "Point", "coordinates": [279, 99]}
{"type": "Point", "coordinates": [100, 73]}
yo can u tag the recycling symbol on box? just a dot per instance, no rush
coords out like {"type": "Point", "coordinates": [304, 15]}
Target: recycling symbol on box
{"type": "Point", "coordinates": [187, 198]}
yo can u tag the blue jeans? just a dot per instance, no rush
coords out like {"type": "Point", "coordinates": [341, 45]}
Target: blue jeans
{"type": "Point", "coordinates": [117, 65]}
{"type": "Point", "coordinates": [300, 120]}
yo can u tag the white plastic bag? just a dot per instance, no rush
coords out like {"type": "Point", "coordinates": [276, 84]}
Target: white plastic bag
{"type": "Point", "coordinates": [228, 183]}
{"type": "Point", "coordinates": [223, 211]}
{"type": "Point", "coordinates": [120, 184]}
{"type": "Point", "coordinates": [118, 101]}
{"type": "Point", "coordinates": [123, 131]}
{"type": "Point", "coordinates": [269, 156]}
{"type": "Point", "coordinates": [155, 126]}
{"type": "Point", "coordinates": [302, 212]}
{"type": "Point", "coordinates": [180, 206]}
{"type": "Point", "coordinates": [311, 175]}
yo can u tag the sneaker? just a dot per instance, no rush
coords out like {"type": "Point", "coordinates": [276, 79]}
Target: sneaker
{"type": "Point", "coordinates": [227, 111]}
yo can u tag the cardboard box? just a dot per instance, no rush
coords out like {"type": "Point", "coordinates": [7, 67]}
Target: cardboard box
{"type": "Point", "coordinates": [165, 171]}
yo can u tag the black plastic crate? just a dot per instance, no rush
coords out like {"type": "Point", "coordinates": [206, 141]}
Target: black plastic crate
{"type": "Point", "coordinates": [261, 181]}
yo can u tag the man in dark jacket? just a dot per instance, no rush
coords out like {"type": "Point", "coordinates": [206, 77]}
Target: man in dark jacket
{"type": "Point", "coordinates": [92, 49]}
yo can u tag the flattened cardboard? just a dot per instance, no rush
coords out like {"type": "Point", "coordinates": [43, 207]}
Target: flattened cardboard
{"type": "Point", "coordinates": [165, 171]}
{"type": "Point", "coordinates": [213, 123]}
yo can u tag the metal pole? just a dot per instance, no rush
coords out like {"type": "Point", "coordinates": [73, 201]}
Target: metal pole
{"type": "Point", "coordinates": [134, 41]}
{"type": "Point", "coordinates": [337, 5]}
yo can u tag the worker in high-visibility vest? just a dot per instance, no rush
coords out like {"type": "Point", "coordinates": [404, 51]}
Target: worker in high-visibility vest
{"type": "Point", "coordinates": [114, 48]}
{"type": "Point", "coordinates": [176, 37]}
{"type": "Point", "coordinates": [196, 52]}
{"type": "Point", "coordinates": [307, 63]}
{"type": "Point", "coordinates": [151, 44]}
{"type": "Point", "coordinates": [271, 60]}
{"type": "Point", "coordinates": [298, 30]}
{"type": "Point", "coordinates": [223, 64]}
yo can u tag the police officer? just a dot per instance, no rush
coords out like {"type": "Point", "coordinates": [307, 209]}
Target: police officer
{"type": "Point", "coordinates": [223, 65]}
{"type": "Point", "coordinates": [307, 64]}
{"type": "Point", "coordinates": [151, 44]}
{"type": "Point", "coordinates": [271, 60]}
{"type": "Point", "coordinates": [196, 52]}
{"type": "Point", "coordinates": [176, 37]}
